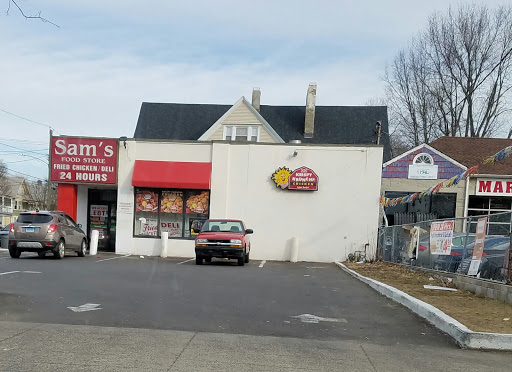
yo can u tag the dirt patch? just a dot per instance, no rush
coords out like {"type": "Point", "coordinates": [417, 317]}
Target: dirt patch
{"type": "Point", "coordinates": [477, 313]}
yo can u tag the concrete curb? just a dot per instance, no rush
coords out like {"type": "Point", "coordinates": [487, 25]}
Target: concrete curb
{"type": "Point", "coordinates": [465, 337]}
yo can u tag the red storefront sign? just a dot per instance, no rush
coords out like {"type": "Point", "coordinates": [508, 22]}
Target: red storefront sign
{"type": "Point", "coordinates": [303, 178]}
{"type": "Point", "coordinates": [487, 186]}
{"type": "Point", "coordinates": [84, 160]}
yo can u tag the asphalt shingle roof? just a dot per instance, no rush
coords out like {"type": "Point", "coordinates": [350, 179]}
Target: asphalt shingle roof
{"type": "Point", "coordinates": [472, 151]}
{"type": "Point", "coordinates": [333, 124]}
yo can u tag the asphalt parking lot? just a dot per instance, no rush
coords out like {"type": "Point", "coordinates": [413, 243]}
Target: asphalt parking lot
{"type": "Point", "coordinates": [121, 313]}
{"type": "Point", "coordinates": [273, 298]}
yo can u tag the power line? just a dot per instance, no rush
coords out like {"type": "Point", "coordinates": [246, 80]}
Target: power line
{"type": "Point", "coordinates": [32, 121]}
{"type": "Point", "coordinates": [24, 174]}
{"type": "Point", "coordinates": [19, 148]}
{"type": "Point", "coordinates": [24, 141]}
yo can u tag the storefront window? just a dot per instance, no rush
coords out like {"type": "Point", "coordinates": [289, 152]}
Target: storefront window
{"type": "Point", "coordinates": [176, 212]}
{"type": "Point", "coordinates": [171, 213]}
{"type": "Point", "coordinates": [435, 206]}
{"type": "Point", "coordinates": [146, 213]}
{"type": "Point", "coordinates": [196, 210]}
{"type": "Point", "coordinates": [498, 210]}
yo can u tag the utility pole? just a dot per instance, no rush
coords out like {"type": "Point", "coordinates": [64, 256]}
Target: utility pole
{"type": "Point", "coordinates": [48, 181]}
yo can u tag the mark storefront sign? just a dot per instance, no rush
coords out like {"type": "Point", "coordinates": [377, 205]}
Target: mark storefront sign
{"type": "Point", "coordinates": [83, 160]}
{"type": "Point", "coordinates": [486, 186]}
{"type": "Point", "coordinates": [301, 178]}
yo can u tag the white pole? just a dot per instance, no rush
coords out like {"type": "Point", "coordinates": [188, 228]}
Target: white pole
{"type": "Point", "coordinates": [93, 246]}
{"type": "Point", "coordinates": [165, 241]}
{"type": "Point", "coordinates": [295, 250]}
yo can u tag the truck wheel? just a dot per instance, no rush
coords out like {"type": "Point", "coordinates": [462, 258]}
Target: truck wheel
{"type": "Point", "coordinates": [41, 254]}
{"type": "Point", "coordinates": [199, 260]}
{"type": "Point", "coordinates": [14, 252]}
{"type": "Point", "coordinates": [247, 257]}
{"type": "Point", "coordinates": [241, 261]}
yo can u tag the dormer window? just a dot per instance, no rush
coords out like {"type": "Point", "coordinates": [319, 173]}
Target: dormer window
{"type": "Point", "coordinates": [241, 133]}
{"type": "Point", "coordinates": [423, 159]}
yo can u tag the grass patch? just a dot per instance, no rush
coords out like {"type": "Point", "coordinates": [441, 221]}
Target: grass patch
{"type": "Point", "coordinates": [477, 313]}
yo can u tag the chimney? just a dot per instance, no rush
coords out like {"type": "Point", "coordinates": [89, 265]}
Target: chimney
{"type": "Point", "coordinates": [309, 120]}
{"type": "Point", "coordinates": [256, 94]}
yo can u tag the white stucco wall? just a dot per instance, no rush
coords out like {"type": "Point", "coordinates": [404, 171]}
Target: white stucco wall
{"type": "Point", "coordinates": [339, 218]}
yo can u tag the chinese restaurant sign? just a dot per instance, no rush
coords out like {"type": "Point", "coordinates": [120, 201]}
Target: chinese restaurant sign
{"type": "Point", "coordinates": [83, 160]}
{"type": "Point", "coordinates": [301, 178]}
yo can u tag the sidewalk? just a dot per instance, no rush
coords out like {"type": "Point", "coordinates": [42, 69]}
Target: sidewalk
{"type": "Point", "coordinates": [50, 347]}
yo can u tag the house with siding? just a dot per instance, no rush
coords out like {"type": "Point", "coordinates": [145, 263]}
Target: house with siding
{"type": "Point", "coordinates": [254, 122]}
{"type": "Point", "coordinates": [417, 170]}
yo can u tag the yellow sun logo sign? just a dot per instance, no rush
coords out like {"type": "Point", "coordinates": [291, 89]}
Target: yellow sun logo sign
{"type": "Point", "coordinates": [281, 177]}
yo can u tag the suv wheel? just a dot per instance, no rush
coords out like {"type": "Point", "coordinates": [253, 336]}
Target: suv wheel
{"type": "Point", "coordinates": [199, 260]}
{"type": "Point", "coordinates": [83, 249]}
{"type": "Point", "coordinates": [247, 257]}
{"type": "Point", "coordinates": [14, 252]}
{"type": "Point", "coordinates": [60, 250]}
{"type": "Point", "coordinates": [41, 253]}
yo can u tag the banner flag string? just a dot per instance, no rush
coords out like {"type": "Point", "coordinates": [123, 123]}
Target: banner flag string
{"type": "Point", "coordinates": [497, 158]}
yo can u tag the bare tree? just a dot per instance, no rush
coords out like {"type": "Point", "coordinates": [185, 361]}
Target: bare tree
{"type": "Point", "coordinates": [5, 187]}
{"type": "Point", "coordinates": [396, 140]}
{"type": "Point", "coordinates": [41, 196]}
{"type": "Point", "coordinates": [37, 16]}
{"type": "Point", "coordinates": [454, 78]}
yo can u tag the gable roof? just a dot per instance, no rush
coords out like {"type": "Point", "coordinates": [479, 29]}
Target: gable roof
{"type": "Point", "coordinates": [399, 167]}
{"type": "Point", "coordinates": [472, 151]}
{"type": "Point", "coordinates": [333, 124]}
{"type": "Point", "coordinates": [242, 101]}
{"type": "Point", "coordinates": [15, 184]}
{"type": "Point", "coordinates": [430, 148]}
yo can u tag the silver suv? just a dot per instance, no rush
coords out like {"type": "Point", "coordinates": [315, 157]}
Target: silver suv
{"type": "Point", "coordinates": [40, 231]}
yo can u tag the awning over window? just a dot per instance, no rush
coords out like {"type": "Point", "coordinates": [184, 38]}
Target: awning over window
{"type": "Point", "coordinates": [172, 174]}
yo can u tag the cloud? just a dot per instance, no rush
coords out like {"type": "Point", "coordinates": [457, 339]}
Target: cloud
{"type": "Point", "coordinates": [90, 76]}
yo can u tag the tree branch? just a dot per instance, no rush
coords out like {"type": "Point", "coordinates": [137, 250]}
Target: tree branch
{"type": "Point", "coordinates": [38, 16]}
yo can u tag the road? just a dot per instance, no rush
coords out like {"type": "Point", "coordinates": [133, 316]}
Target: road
{"type": "Point", "coordinates": [169, 314]}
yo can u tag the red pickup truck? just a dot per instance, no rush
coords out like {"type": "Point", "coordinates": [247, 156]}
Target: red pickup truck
{"type": "Point", "coordinates": [223, 239]}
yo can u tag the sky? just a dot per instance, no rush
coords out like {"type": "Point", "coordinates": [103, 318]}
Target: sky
{"type": "Point", "coordinates": [90, 75]}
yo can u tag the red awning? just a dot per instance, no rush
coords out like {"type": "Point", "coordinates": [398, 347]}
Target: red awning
{"type": "Point", "coordinates": [172, 174]}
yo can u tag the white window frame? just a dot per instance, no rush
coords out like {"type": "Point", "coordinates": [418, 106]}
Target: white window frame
{"type": "Point", "coordinates": [414, 161]}
{"type": "Point", "coordinates": [250, 129]}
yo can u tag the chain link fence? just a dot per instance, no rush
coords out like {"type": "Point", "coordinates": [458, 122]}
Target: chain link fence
{"type": "Point", "coordinates": [452, 245]}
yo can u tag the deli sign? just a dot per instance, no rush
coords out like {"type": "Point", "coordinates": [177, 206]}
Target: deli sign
{"type": "Point", "coordinates": [83, 160]}
{"type": "Point", "coordinates": [486, 186]}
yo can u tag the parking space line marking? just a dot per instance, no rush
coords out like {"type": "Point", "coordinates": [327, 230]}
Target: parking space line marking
{"type": "Point", "coordinates": [112, 258]}
{"type": "Point", "coordinates": [262, 263]}
{"type": "Point", "coordinates": [32, 272]}
{"type": "Point", "coordinates": [179, 263]}
{"type": "Point", "coordinates": [9, 272]}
